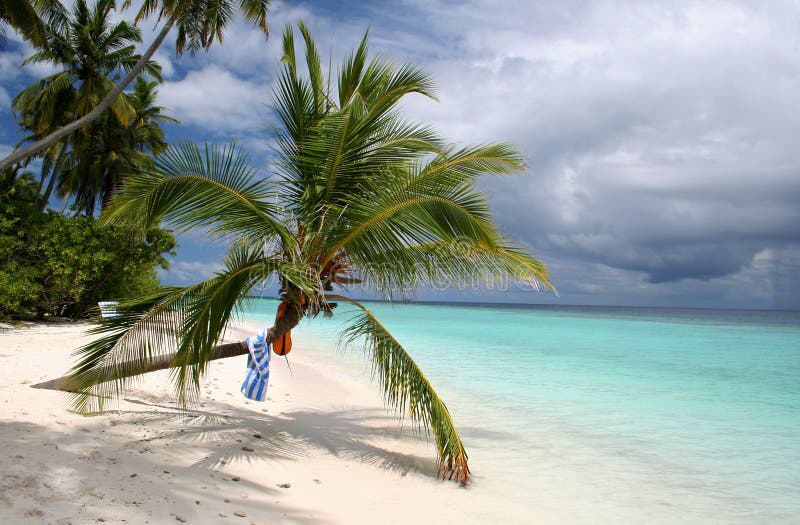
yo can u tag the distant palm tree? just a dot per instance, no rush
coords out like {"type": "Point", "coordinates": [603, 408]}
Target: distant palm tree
{"type": "Point", "coordinates": [146, 133]}
{"type": "Point", "coordinates": [127, 149]}
{"type": "Point", "coordinates": [362, 197]}
{"type": "Point", "coordinates": [92, 52]}
{"type": "Point", "coordinates": [200, 23]}
{"type": "Point", "coordinates": [101, 160]}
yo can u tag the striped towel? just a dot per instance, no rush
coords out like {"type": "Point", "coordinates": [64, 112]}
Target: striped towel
{"type": "Point", "coordinates": [256, 381]}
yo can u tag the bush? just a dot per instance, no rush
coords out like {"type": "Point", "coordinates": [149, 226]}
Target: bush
{"type": "Point", "coordinates": [62, 266]}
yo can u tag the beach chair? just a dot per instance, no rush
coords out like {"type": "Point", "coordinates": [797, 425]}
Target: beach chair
{"type": "Point", "coordinates": [108, 309]}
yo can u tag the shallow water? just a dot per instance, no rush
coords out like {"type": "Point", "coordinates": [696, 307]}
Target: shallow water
{"type": "Point", "coordinates": [632, 414]}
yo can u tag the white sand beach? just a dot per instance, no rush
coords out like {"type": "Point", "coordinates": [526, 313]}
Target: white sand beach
{"type": "Point", "coordinates": [320, 450]}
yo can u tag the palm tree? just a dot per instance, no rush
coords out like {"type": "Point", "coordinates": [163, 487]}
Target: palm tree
{"type": "Point", "coordinates": [92, 52]}
{"type": "Point", "coordinates": [145, 131]}
{"type": "Point", "coordinates": [200, 23]}
{"type": "Point", "coordinates": [128, 148]}
{"type": "Point", "coordinates": [30, 17]}
{"type": "Point", "coordinates": [101, 160]}
{"type": "Point", "coordinates": [361, 197]}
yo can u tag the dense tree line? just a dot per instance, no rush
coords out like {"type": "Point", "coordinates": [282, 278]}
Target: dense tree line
{"type": "Point", "coordinates": [54, 265]}
{"type": "Point", "coordinates": [61, 263]}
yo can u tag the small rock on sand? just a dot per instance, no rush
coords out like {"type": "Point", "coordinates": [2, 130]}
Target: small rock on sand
{"type": "Point", "coordinates": [248, 449]}
{"type": "Point", "coordinates": [284, 485]}
{"type": "Point", "coordinates": [240, 514]}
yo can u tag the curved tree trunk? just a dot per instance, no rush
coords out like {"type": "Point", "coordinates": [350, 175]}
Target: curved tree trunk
{"type": "Point", "coordinates": [290, 319]}
{"type": "Point", "coordinates": [60, 133]}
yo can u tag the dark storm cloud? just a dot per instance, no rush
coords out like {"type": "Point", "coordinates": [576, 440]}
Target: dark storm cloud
{"type": "Point", "coordinates": [661, 139]}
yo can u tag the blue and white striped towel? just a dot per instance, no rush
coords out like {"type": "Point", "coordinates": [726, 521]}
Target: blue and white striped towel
{"type": "Point", "coordinates": [255, 383]}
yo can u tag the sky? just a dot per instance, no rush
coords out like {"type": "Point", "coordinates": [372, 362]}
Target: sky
{"type": "Point", "coordinates": [662, 164]}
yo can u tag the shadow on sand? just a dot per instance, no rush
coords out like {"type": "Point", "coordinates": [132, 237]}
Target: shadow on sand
{"type": "Point", "coordinates": [347, 434]}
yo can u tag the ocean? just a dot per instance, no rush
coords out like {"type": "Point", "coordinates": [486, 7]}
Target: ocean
{"type": "Point", "coordinates": [636, 414]}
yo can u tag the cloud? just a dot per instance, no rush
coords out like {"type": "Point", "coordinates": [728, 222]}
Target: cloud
{"type": "Point", "coordinates": [9, 64]}
{"type": "Point", "coordinates": [216, 101]}
{"type": "Point", "coordinates": [167, 68]}
{"type": "Point", "coordinates": [189, 272]}
{"type": "Point", "coordinates": [660, 138]}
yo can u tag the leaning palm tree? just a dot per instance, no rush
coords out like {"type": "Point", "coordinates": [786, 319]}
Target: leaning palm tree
{"type": "Point", "coordinates": [359, 196]}
{"type": "Point", "coordinates": [200, 23]}
{"type": "Point", "coordinates": [91, 51]}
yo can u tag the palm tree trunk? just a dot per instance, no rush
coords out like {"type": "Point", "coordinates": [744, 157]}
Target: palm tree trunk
{"type": "Point", "coordinates": [107, 191]}
{"type": "Point", "coordinates": [60, 133]}
{"type": "Point", "coordinates": [53, 177]}
{"type": "Point", "coordinates": [290, 319]}
{"type": "Point", "coordinates": [45, 170]}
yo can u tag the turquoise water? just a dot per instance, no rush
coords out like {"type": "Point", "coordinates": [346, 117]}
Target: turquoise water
{"type": "Point", "coordinates": [696, 408]}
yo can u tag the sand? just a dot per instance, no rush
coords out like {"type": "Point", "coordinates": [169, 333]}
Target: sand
{"type": "Point", "coordinates": [321, 449]}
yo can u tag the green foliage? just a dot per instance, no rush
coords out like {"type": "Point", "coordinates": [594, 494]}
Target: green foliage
{"type": "Point", "coordinates": [55, 265]}
{"type": "Point", "coordinates": [201, 22]}
{"type": "Point", "coordinates": [29, 17]}
{"type": "Point", "coordinates": [90, 52]}
{"type": "Point", "coordinates": [406, 388]}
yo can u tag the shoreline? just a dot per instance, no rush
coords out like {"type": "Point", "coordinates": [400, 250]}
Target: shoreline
{"type": "Point", "coordinates": [322, 432]}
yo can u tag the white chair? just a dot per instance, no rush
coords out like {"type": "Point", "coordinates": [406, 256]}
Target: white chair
{"type": "Point", "coordinates": [108, 309]}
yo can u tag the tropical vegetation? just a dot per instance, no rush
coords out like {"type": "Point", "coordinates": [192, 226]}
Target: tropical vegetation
{"type": "Point", "coordinates": [29, 17]}
{"type": "Point", "coordinates": [200, 23]}
{"type": "Point", "coordinates": [90, 52]}
{"type": "Point", "coordinates": [359, 196]}
{"type": "Point", "coordinates": [52, 265]}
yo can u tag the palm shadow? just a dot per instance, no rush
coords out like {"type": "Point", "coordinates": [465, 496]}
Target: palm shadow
{"type": "Point", "coordinates": [243, 435]}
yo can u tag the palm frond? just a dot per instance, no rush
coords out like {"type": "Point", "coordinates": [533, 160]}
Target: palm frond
{"type": "Point", "coordinates": [256, 12]}
{"type": "Point", "coordinates": [314, 65]}
{"type": "Point", "coordinates": [351, 72]}
{"type": "Point", "coordinates": [390, 217]}
{"type": "Point", "coordinates": [406, 389]}
{"type": "Point", "coordinates": [439, 265]}
{"type": "Point", "coordinates": [144, 330]}
{"type": "Point", "coordinates": [183, 324]}
{"type": "Point", "coordinates": [189, 187]}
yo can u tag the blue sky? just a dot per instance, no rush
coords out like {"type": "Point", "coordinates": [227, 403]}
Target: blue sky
{"type": "Point", "coordinates": [662, 165]}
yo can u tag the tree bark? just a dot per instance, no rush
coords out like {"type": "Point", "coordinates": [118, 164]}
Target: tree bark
{"type": "Point", "coordinates": [53, 177]}
{"type": "Point", "coordinates": [290, 319]}
{"type": "Point", "coordinates": [60, 133]}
